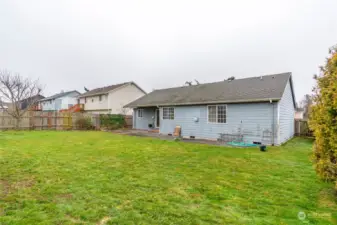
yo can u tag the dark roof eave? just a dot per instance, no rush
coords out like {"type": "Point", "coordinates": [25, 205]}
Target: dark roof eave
{"type": "Point", "coordinates": [52, 98]}
{"type": "Point", "coordinates": [204, 103]}
{"type": "Point", "coordinates": [93, 94]}
{"type": "Point", "coordinates": [107, 92]}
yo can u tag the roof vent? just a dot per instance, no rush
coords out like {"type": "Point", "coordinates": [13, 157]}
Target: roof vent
{"type": "Point", "coordinates": [230, 78]}
{"type": "Point", "coordinates": [261, 78]}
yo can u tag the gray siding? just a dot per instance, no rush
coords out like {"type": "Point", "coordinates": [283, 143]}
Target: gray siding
{"type": "Point", "coordinates": [252, 119]}
{"type": "Point", "coordinates": [143, 122]}
{"type": "Point", "coordinates": [286, 115]}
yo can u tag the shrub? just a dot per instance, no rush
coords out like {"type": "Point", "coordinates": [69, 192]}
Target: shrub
{"type": "Point", "coordinates": [323, 120]}
{"type": "Point", "coordinates": [84, 124]}
{"type": "Point", "coordinates": [112, 122]}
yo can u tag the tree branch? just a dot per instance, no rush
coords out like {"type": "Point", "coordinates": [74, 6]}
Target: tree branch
{"type": "Point", "coordinates": [20, 92]}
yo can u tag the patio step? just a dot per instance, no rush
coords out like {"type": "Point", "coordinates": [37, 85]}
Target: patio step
{"type": "Point", "coordinates": [154, 131]}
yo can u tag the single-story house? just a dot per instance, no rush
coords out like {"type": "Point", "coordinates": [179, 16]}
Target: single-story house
{"type": "Point", "coordinates": [60, 101]}
{"type": "Point", "coordinates": [261, 109]}
{"type": "Point", "coordinates": [111, 99]}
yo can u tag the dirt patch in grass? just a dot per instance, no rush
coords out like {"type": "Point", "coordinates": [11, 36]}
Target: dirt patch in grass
{"type": "Point", "coordinates": [28, 183]}
{"type": "Point", "coordinates": [178, 191]}
{"type": "Point", "coordinates": [4, 188]}
{"type": "Point", "coordinates": [327, 198]}
{"type": "Point", "coordinates": [125, 204]}
{"type": "Point", "coordinates": [75, 220]}
{"type": "Point", "coordinates": [65, 196]}
{"type": "Point", "coordinates": [104, 220]}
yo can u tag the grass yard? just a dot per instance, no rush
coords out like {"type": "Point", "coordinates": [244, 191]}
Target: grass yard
{"type": "Point", "coordinates": [102, 178]}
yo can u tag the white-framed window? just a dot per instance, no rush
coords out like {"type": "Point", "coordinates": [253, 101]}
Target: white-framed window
{"type": "Point", "coordinates": [140, 112]}
{"type": "Point", "coordinates": [168, 113]}
{"type": "Point", "coordinates": [217, 113]}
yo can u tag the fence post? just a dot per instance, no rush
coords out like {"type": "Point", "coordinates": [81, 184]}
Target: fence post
{"type": "Point", "coordinates": [97, 121]}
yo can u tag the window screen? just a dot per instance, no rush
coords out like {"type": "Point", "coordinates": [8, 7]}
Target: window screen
{"type": "Point", "coordinates": [168, 113]}
{"type": "Point", "coordinates": [217, 113]}
{"type": "Point", "coordinates": [140, 112]}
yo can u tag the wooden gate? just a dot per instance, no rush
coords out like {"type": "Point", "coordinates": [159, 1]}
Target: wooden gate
{"type": "Point", "coordinates": [67, 121]}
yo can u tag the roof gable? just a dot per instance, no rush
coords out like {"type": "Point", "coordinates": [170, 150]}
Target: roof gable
{"type": "Point", "coordinates": [252, 89]}
{"type": "Point", "coordinates": [292, 91]}
{"type": "Point", "coordinates": [105, 90]}
{"type": "Point", "coordinates": [59, 95]}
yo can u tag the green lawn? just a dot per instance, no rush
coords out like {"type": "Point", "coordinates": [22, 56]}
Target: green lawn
{"type": "Point", "coordinates": [102, 178]}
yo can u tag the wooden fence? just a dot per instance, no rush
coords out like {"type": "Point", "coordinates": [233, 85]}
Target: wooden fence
{"type": "Point", "coordinates": [128, 121]}
{"type": "Point", "coordinates": [302, 128]}
{"type": "Point", "coordinates": [38, 120]}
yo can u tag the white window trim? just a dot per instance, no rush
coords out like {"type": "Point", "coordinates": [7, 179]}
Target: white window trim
{"type": "Point", "coordinates": [174, 113]}
{"type": "Point", "coordinates": [140, 110]}
{"type": "Point", "coordinates": [217, 114]}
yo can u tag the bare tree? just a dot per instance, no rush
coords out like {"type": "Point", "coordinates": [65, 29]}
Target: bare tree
{"type": "Point", "coordinates": [306, 103]}
{"type": "Point", "coordinates": [124, 111]}
{"type": "Point", "coordinates": [17, 91]}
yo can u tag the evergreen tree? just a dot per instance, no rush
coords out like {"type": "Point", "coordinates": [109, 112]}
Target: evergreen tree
{"type": "Point", "coordinates": [323, 119]}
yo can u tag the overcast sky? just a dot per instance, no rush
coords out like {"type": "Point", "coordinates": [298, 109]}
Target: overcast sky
{"type": "Point", "coordinates": [69, 44]}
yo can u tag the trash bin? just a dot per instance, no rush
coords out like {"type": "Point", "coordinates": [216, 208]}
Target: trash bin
{"type": "Point", "coordinates": [263, 148]}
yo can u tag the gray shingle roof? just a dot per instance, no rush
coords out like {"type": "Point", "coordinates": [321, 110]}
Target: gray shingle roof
{"type": "Point", "coordinates": [102, 90]}
{"type": "Point", "coordinates": [252, 89]}
{"type": "Point", "coordinates": [105, 90]}
{"type": "Point", "coordinates": [59, 95]}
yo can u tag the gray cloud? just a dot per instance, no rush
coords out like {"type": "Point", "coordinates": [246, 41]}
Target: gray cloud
{"type": "Point", "coordinates": [74, 43]}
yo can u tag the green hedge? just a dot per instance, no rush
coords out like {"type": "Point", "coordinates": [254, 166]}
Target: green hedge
{"type": "Point", "coordinates": [323, 120]}
{"type": "Point", "coordinates": [84, 123]}
{"type": "Point", "coordinates": [111, 122]}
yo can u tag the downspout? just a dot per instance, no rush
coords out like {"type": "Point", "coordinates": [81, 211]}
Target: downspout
{"type": "Point", "coordinates": [109, 112]}
{"type": "Point", "coordinates": [273, 122]}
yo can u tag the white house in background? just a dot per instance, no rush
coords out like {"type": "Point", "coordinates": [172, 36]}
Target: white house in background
{"type": "Point", "coordinates": [63, 100]}
{"type": "Point", "coordinates": [299, 114]}
{"type": "Point", "coordinates": [111, 99]}
{"type": "Point", "coordinates": [3, 106]}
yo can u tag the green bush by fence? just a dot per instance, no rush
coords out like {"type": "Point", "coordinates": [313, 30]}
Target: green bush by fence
{"type": "Point", "coordinates": [112, 121]}
{"type": "Point", "coordinates": [84, 123]}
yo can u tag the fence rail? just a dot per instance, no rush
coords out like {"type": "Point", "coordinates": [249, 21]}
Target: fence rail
{"type": "Point", "coordinates": [38, 120]}
{"type": "Point", "coordinates": [46, 121]}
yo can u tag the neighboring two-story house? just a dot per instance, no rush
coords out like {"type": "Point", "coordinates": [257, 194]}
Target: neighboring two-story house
{"type": "Point", "coordinates": [111, 99]}
{"type": "Point", "coordinates": [33, 102]}
{"type": "Point", "coordinates": [63, 100]}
